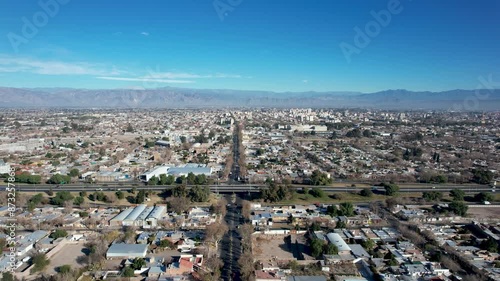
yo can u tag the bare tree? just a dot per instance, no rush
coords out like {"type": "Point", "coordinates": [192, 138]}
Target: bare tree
{"type": "Point", "coordinates": [246, 263]}
{"type": "Point", "coordinates": [246, 231]}
{"type": "Point", "coordinates": [179, 204]}
{"type": "Point", "coordinates": [111, 198]}
{"type": "Point", "coordinates": [214, 233]}
{"type": "Point", "coordinates": [220, 207]}
{"type": "Point", "coordinates": [450, 264]}
{"type": "Point", "coordinates": [246, 209]}
{"type": "Point", "coordinates": [68, 207]}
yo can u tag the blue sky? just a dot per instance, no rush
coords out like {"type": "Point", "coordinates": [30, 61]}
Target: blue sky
{"type": "Point", "coordinates": [277, 45]}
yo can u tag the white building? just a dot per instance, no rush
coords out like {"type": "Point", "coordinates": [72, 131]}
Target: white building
{"type": "Point", "coordinates": [196, 169]}
{"type": "Point", "coordinates": [4, 167]}
{"type": "Point", "coordinates": [336, 240]}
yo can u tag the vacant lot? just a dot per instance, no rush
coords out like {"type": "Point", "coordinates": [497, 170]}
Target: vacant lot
{"type": "Point", "coordinates": [486, 212]}
{"type": "Point", "coordinates": [279, 247]}
{"type": "Point", "coordinates": [68, 254]}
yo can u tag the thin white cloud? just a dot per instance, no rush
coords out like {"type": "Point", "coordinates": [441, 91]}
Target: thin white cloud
{"type": "Point", "coordinates": [172, 81]}
{"type": "Point", "coordinates": [305, 81]}
{"type": "Point", "coordinates": [145, 33]}
{"type": "Point", "coordinates": [19, 64]}
{"type": "Point", "coordinates": [183, 75]}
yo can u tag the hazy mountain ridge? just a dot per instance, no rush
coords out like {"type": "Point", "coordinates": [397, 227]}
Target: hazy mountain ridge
{"type": "Point", "coordinates": [169, 97]}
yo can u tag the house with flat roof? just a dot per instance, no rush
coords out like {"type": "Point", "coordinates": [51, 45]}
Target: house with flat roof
{"type": "Point", "coordinates": [127, 251]}
{"type": "Point", "coordinates": [336, 240]}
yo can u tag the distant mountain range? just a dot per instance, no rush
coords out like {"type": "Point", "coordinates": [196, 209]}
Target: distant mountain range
{"type": "Point", "coordinates": [168, 97]}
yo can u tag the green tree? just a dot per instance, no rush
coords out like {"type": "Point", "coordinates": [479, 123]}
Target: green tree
{"type": "Point", "coordinates": [74, 173]}
{"type": "Point", "coordinates": [166, 244]}
{"type": "Point", "coordinates": [368, 244]}
{"type": "Point", "coordinates": [340, 225]}
{"type": "Point", "coordinates": [59, 179]}
{"type": "Point", "coordinates": [483, 196]}
{"type": "Point", "coordinates": [458, 208]}
{"type": "Point", "coordinates": [199, 194]}
{"type": "Point", "coordinates": [7, 276]}
{"type": "Point", "coordinates": [332, 210]}
{"type": "Point", "coordinates": [191, 178]}
{"type": "Point", "coordinates": [25, 177]}
{"type": "Point", "coordinates": [457, 194]}
{"type": "Point", "coordinates": [317, 192]}
{"type": "Point", "coordinates": [63, 269]}
{"type": "Point", "coordinates": [58, 233]}
{"type": "Point", "coordinates": [40, 262]}
{"type": "Point", "coordinates": [432, 195]}
{"type": "Point", "coordinates": [180, 191]}
{"type": "Point", "coordinates": [120, 195]}
{"type": "Point", "coordinates": [390, 189]}
{"type": "Point", "coordinates": [316, 247]}
{"type": "Point", "coordinates": [319, 178]}
{"type": "Point", "coordinates": [78, 200]}
{"type": "Point", "coordinates": [170, 180]}
{"type": "Point", "coordinates": [141, 196]}
{"type": "Point", "coordinates": [163, 179]}
{"type": "Point", "coordinates": [200, 179]}
{"type": "Point", "coordinates": [489, 245]}
{"type": "Point", "coordinates": [129, 128]}
{"type": "Point", "coordinates": [330, 249]}
{"type": "Point", "coordinates": [128, 272]}
{"type": "Point", "coordinates": [346, 209]}
{"type": "Point", "coordinates": [61, 197]}
{"type": "Point", "coordinates": [153, 181]}
{"type": "Point", "coordinates": [138, 263]}
{"type": "Point", "coordinates": [482, 176]}
{"type": "Point", "coordinates": [366, 192]}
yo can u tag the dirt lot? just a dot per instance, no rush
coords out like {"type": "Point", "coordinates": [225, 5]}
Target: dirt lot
{"type": "Point", "coordinates": [485, 212]}
{"type": "Point", "coordinates": [268, 247]}
{"type": "Point", "coordinates": [67, 255]}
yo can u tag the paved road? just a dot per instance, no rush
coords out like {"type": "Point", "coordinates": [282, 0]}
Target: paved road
{"type": "Point", "coordinates": [231, 243]}
{"type": "Point", "coordinates": [236, 187]}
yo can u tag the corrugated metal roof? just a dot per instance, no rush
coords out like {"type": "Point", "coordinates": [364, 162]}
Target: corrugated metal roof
{"type": "Point", "coordinates": [157, 212]}
{"type": "Point", "coordinates": [125, 250]}
{"type": "Point", "coordinates": [121, 216]}
{"type": "Point", "coordinates": [335, 239]}
{"type": "Point", "coordinates": [144, 213]}
{"type": "Point", "coordinates": [135, 213]}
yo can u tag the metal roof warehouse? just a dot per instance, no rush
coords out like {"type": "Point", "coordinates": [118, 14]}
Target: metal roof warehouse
{"type": "Point", "coordinates": [127, 251]}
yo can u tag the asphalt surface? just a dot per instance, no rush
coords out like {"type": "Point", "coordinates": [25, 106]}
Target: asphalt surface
{"type": "Point", "coordinates": [231, 243]}
{"type": "Point", "coordinates": [235, 186]}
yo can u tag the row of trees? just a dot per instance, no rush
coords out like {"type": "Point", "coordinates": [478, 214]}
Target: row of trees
{"type": "Point", "coordinates": [182, 197]}
{"type": "Point", "coordinates": [190, 179]}
{"type": "Point", "coordinates": [345, 209]}
{"type": "Point", "coordinates": [26, 177]}
{"type": "Point", "coordinates": [275, 192]}
{"type": "Point", "coordinates": [319, 178]}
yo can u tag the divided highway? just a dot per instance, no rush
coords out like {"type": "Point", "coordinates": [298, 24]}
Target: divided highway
{"type": "Point", "coordinates": [238, 187]}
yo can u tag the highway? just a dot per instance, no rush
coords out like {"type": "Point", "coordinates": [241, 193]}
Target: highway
{"type": "Point", "coordinates": [237, 187]}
